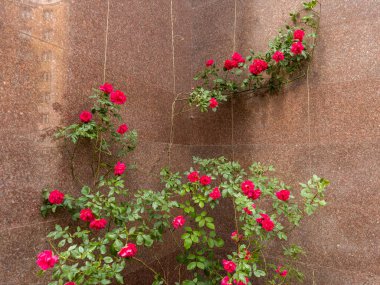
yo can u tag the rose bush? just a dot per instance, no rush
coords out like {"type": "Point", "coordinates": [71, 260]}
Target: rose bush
{"type": "Point", "coordinates": [112, 225]}
{"type": "Point", "coordinates": [283, 62]}
{"type": "Point", "coordinates": [116, 223]}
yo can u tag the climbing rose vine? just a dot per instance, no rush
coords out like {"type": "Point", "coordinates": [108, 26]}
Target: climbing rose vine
{"type": "Point", "coordinates": [283, 62]}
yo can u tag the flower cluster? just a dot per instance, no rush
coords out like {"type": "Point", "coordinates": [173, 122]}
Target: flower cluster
{"type": "Point", "coordinates": [271, 70]}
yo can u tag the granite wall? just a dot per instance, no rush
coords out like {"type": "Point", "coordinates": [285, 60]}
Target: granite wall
{"type": "Point", "coordinates": [53, 52]}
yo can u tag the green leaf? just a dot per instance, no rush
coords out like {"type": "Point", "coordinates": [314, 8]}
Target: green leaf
{"type": "Point", "coordinates": [107, 259]}
{"type": "Point", "coordinates": [211, 226]}
{"type": "Point", "coordinates": [191, 265]}
{"type": "Point", "coordinates": [187, 243]}
{"type": "Point", "coordinates": [119, 278]}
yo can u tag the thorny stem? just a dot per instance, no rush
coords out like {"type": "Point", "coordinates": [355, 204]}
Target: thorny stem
{"type": "Point", "coordinates": [236, 225]}
{"type": "Point", "coordinates": [148, 267]}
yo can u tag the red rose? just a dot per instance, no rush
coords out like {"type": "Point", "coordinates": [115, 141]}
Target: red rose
{"type": "Point", "coordinates": [118, 97]}
{"type": "Point", "coordinates": [56, 197]}
{"type": "Point", "coordinates": [213, 103]}
{"type": "Point", "coordinates": [178, 222]}
{"type": "Point", "coordinates": [255, 194]}
{"type": "Point", "coordinates": [236, 237]}
{"type": "Point", "coordinates": [106, 88]}
{"type": "Point", "coordinates": [230, 64]}
{"type": "Point", "coordinates": [46, 259]}
{"type": "Point", "coordinates": [237, 57]}
{"type": "Point", "coordinates": [86, 215]}
{"type": "Point", "coordinates": [283, 195]}
{"type": "Point", "coordinates": [225, 281]}
{"type": "Point", "coordinates": [267, 225]}
{"type": "Point", "coordinates": [215, 194]}
{"type": "Point", "coordinates": [122, 129]}
{"type": "Point", "coordinates": [130, 250]}
{"type": "Point", "coordinates": [248, 255]}
{"type": "Point", "coordinates": [247, 186]}
{"type": "Point", "coordinates": [70, 283]}
{"type": "Point", "coordinates": [265, 222]}
{"type": "Point", "coordinates": [297, 48]}
{"type": "Point", "coordinates": [249, 190]}
{"type": "Point", "coordinates": [278, 56]}
{"type": "Point", "coordinates": [241, 282]}
{"type": "Point", "coordinates": [229, 266]}
{"type": "Point", "coordinates": [258, 66]}
{"type": "Point", "coordinates": [247, 211]}
{"type": "Point", "coordinates": [98, 224]}
{"type": "Point", "coordinates": [205, 180]}
{"type": "Point", "coordinates": [119, 168]}
{"type": "Point", "coordinates": [298, 35]}
{"type": "Point", "coordinates": [282, 273]}
{"type": "Point", "coordinates": [209, 62]}
{"type": "Point", "coordinates": [193, 176]}
{"type": "Point", "coordinates": [85, 116]}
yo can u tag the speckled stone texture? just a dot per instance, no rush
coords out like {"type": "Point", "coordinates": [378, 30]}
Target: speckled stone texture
{"type": "Point", "coordinates": [52, 54]}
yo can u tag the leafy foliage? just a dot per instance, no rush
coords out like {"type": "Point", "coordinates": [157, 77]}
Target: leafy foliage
{"type": "Point", "coordinates": [221, 82]}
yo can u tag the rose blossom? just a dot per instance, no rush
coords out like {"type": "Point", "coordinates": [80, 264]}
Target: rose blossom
{"type": "Point", "coordinates": [209, 62]}
{"type": "Point", "coordinates": [265, 222]}
{"type": "Point", "coordinates": [236, 237]}
{"type": "Point", "coordinates": [106, 88]}
{"type": "Point", "coordinates": [85, 116]}
{"type": "Point", "coordinates": [225, 281]}
{"type": "Point", "coordinates": [215, 194]}
{"type": "Point", "coordinates": [298, 35]}
{"type": "Point", "coordinates": [86, 215]}
{"type": "Point", "coordinates": [247, 255]}
{"type": "Point", "coordinates": [119, 168]}
{"type": "Point", "coordinates": [46, 259]}
{"type": "Point", "coordinates": [237, 57]}
{"type": "Point", "coordinates": [297, 48]}
{"type": "Point", "coordinates": [282, 273]}
{"type": "Point", "coordinates": [130, 250]}
{"type": "Point", "coordinates": [98, 224]}
{"type": "Point", "coordinates": [70, 283]}
{"type": "Point", "coordinates": [193, 176]}
{"type": "Point", "coordinates": [258, 66]}
{"type": "Point", "coordinates": [247, 211]}
{"type": "Point", "coordinates": [247, 186]}
{"type": "Point", "coordinates": [283, 195]}
{"type": "Point", "coordinates": [229, 266]}
{"type": "Point", "coordinates": [118, 97]}
{"type": "Point", "coordinates": [278, 56]}
{"type": "Point", "coordinates": [205, 180]}
{"type": "Point", "coordinates": [122, 129]}
{"type": "Point", "coordinates": [255, 194]}
{"type": "Point", "coordinates": [213, 103]}
{"type": "Point", "coordinates": [178, 222]}
{"type": "Point", "coordinates": [241, 282]}
{"type": "Point", "coordinates": [230, 64]}
{"type": "Point", "coordinates": [249, 190]}
{"type": "Point", "coordinates": [56, 197]}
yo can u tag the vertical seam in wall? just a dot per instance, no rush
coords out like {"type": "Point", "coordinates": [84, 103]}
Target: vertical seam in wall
{"type": "Point", "coordinates": [172, 23]}
{"type": "Point", "coordinates": [106, 43]}
{"type": "Point", "coordinates": [234, 47]}
{"type": "Point", "coordinates": [232, 99]}
{"type": "Point", "coordinates": [171, 137]}
{"type": "Point", "coordinates": [308, 117]}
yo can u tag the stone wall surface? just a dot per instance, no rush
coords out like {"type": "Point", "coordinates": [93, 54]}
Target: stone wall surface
{"type": "Point", "coordinates": [54, 52]}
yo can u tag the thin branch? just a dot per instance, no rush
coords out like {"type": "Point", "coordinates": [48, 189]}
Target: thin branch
{"type": "Point", "coordinates": [148, 267]}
